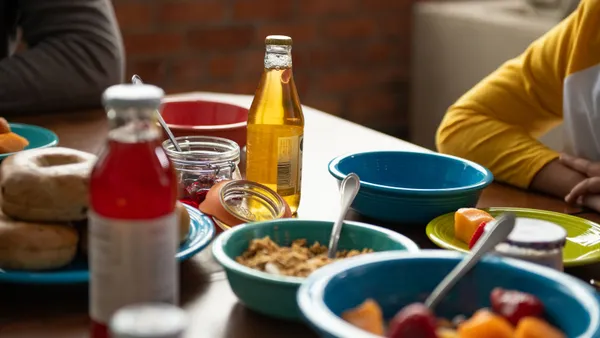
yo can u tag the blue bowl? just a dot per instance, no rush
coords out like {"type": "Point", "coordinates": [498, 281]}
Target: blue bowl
{"type": "Point", "coordinates": [395, 279]}
{"type": "Point", "coordinates": [274, 295]}
{"type": "Point", "coordinates": [411, 187]}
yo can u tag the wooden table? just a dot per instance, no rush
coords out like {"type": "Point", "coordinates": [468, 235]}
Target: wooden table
{"type": "Point", "coordinates": [61, 311]}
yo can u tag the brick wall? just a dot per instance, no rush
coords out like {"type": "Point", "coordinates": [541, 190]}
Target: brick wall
{"type": "Point", "coordinates": [350, 56]}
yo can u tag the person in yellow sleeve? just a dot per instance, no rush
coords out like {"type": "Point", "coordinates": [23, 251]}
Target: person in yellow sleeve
{"type": "Point", "coordinates": [556, 80]}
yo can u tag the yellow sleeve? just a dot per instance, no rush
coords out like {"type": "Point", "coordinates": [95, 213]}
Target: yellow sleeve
{"type": "Point", "coordinates": [497, 122]}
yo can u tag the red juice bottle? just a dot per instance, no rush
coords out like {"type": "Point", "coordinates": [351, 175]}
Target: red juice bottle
{"type": "Point", "coordinates": [132, 221]}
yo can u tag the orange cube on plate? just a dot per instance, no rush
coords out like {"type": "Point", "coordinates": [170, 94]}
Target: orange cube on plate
{"type": "Point", "coordinates": [466, 221]}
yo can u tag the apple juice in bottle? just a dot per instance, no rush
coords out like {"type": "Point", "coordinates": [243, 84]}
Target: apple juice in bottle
{"type": "Point", "coordinates": [132, 220]}
{"type": "Point", "coordinates": [276, 125]}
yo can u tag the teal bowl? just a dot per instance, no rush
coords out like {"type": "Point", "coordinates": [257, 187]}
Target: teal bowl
{"type": "Point", "coordinates": [396, 279]}
{"type": "Point", "coordinates": [38, 137]}
{"type": "Point", "coordinates": [411, 187]}
{"type": "Point", "coordinates": [275, 295]}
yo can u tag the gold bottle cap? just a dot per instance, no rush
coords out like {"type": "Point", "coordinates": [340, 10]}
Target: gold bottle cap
{"type": "Point", "coordinates": [278, 40]}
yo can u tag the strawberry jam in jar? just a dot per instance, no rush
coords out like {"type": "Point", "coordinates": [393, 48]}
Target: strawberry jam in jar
{"type": "Point", "coordinates": [202, 162]}
{"type": "Point", "coordinates": [133, 227]}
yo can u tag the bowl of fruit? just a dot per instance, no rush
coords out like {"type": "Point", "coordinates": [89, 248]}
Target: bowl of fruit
{"type": "Point", "coordinates": [411, 187]}
{"type": "Point", "coordinates": [382, 295]}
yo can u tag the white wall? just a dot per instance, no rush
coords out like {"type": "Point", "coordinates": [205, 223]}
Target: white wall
{"type": "Point", "coordinates": [455, 45]}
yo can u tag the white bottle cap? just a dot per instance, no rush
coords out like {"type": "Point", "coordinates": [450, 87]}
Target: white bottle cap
{"type": "Point", "coordinates": [132, 95]}
{"type": "Point", "coordinates": [150, 320]}
{"type": "Point", "coordinates": [535, 234]}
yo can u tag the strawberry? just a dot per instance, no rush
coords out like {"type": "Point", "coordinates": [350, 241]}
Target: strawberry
{"type": "Point", "coordinates": [413, 321]}
{"type": "Point", "coordinates": [514, 305]}
{"type": "Point", "coordinates": [477, 235]}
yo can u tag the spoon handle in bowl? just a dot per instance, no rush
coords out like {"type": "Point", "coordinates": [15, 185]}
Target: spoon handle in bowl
{"type": "Point", "coordinates": [168, 131]}
{"type": "Point", "coordinates": [501, 229]}
{"type": "Point", "coordinates": [349, 188]}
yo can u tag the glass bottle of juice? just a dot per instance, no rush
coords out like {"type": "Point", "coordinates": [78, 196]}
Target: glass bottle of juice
{"type": "Point", "coordinates": [132, 219]}
{"type": "Point", "coordinates": [276, 125]}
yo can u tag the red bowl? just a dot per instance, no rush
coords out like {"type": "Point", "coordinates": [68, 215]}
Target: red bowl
{"type": "Point", "coordinates": [191, 117]}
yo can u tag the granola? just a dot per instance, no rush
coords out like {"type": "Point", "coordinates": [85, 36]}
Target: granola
{"type": "Point", "coordinates": [298, 260]}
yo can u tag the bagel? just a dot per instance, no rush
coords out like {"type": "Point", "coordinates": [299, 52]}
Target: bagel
{"type": "Point", "coordinates": [46, 185]}
{"type": "Point", "coordinates": [33, 246]}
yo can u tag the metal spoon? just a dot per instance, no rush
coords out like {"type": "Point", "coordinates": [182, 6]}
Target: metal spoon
{"type": "Point", "coordinates": [348, 190]}
{"type": "Point", "coordinates": [501, 229]}
{"type": "Point", "coordinates": [135, 79]}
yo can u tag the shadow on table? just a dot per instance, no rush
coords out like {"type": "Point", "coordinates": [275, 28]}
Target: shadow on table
{"type": "Point", "coordinates": [193, 281]}
{"type": "Point", "coordinates": [22, 302]}
{"type": "Point", "coordinates": [250, 324]}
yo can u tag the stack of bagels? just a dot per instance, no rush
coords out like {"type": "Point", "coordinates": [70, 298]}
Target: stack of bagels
{"type": "Point", "coordinates": [44, 203]}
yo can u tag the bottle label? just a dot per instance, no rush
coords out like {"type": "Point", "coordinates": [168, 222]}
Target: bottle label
{"type": "Point", "coordinates": [131, 261]}
{"type": "Point", "coordinates": [288, 150]}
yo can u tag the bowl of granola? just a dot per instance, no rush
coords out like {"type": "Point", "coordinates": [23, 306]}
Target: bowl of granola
{"type": "Point", "coordinates": [266, 262]}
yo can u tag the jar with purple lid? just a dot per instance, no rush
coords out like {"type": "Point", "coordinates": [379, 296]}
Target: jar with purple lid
{"type": "Point", "coordinates": [536, 241]}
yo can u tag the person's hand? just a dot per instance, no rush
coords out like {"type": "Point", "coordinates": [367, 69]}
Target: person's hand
{"type": "Point", "coordinates": [590, 185]}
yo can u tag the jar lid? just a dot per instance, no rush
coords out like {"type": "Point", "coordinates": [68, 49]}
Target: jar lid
{"type": "Point", "coordinates": [149, 320]}
{"type": "Point", "coordinates": [129, 95]}
{"type": "Point", "coordinates": [250, 201]}
{"type": "Point", "coordinates": [536, 234]}
{"type": "Point", "coordinates": [282, 40]}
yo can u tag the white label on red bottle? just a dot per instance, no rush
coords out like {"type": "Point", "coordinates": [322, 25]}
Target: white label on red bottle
{"type": "Point", "coordinates": [131, 261]}
{"type": "Point", "coordinates": [287, 165]}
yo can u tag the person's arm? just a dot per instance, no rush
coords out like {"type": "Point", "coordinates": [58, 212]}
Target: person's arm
{"type": "Point", "coordinates": [497, 122]}
{"type": "Point", "coordinates": [74, 52]}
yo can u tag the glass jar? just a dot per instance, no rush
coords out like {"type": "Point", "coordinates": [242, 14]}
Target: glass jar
{"type": "Point", "coordinates": [235, 202]}
{"type": "Point", "coordinates": [536, 241]}
{"type": "Point", "coordinates": [202, 162]}
{"type": "Point", "coordinates": [250, 202]}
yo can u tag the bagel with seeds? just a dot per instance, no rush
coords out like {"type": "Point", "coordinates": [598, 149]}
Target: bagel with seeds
{"type": "Point", "coordinates": [46, 184]}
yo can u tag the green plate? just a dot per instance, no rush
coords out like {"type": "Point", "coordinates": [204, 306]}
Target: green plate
{"type": "Point", "coordinates": [583, 236]}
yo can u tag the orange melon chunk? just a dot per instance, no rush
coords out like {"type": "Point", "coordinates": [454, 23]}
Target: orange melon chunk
{"type": "Point", "coordinates": [466, 221]}
{"type": "Point", "coordinates": [485, 324]}
{"type": "Point", "coordinates": [447, 333]}
{"type": "Point", "coordinates": [367, 316]}
{"type": "Point", "coordinates": [531, 327]}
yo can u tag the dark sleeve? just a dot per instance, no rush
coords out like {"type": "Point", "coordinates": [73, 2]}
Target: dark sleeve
{"type": "Point", "coordinates": [74, 52]}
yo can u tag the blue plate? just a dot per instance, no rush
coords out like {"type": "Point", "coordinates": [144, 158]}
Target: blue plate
{"type": "Point", "coordinates": [38, 137]}
{"type": "Point", "coordinates": [201, 233]}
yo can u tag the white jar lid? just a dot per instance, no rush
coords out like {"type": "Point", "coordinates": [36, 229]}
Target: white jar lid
{"type": "Point", "coordinates": [536, 234]}
{"type": "Point", "coordinates": [132, 95]}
